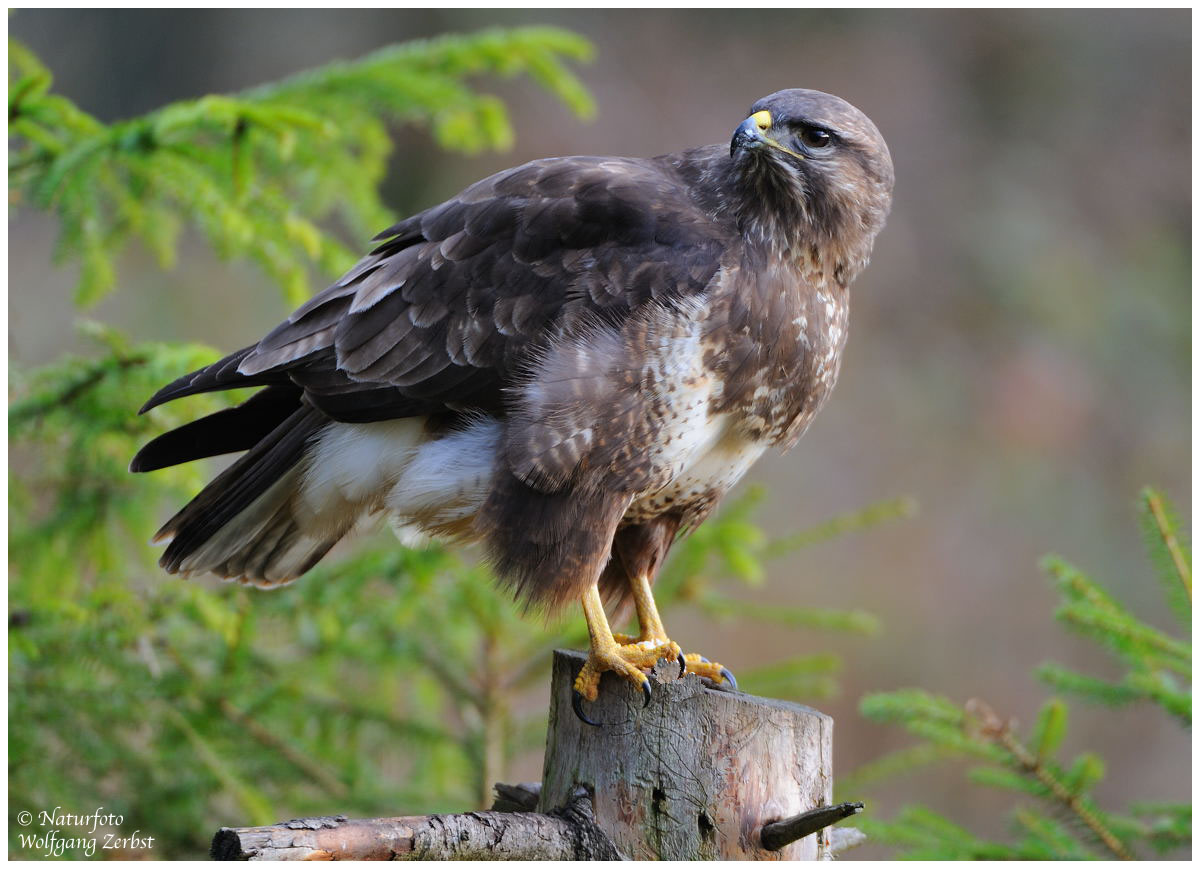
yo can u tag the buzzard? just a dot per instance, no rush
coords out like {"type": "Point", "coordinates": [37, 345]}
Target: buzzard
{"type": "Point", "coordinates": [570, 362]}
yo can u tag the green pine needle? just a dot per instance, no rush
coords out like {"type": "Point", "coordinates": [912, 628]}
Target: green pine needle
{"type": "Point", "coordinates": [243, 167]}
{"type": "Point", "coordinates": [1168, 551]}
{"type": "Point", "coordinates": [1158, 669]}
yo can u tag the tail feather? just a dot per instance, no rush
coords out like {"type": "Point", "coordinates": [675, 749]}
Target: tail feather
{"type": "Point", "coordinates": [248, 523]}
{"type": "Point", "coordinates": [227, 431]}
{"type": "Point", "coordinates": [267, 543]}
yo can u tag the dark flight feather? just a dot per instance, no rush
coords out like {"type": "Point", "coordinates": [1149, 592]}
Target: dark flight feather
{"type": "Point", "coordinates": [501, 287]}
{"type": "Point", "coordinates": [227, 431]}
{"type": "Point", "coordinates": [237, 487]}
{"type": "Point", "coordinates": [220, 375]}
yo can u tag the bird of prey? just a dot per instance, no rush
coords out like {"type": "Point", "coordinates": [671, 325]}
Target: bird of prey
{"type": "Point", "coordinates": [570, 362]}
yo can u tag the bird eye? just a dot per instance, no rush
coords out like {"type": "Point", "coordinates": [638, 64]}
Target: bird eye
{"type": "Point", "coordinates": [814, 138]}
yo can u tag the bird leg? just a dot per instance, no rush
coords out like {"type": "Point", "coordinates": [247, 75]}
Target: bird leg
{"type": "Point", "coordinates": [628, 656]}
{"type": "Point", "coordinates": [652, 632]}
{"type": "Point", "coordinates": [626, 660]}
{"type": "Point", "coordinates": [653, 635]}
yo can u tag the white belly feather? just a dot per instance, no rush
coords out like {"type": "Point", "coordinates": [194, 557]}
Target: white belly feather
{"type": "Point", "coordinates": [397, 467]}
{"type": "Point", "coordinates": [721, 456]}
{"type": "Point", "coordinates": [436, 486]}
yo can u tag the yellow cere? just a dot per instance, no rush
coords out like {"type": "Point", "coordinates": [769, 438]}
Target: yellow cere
{"type": "Point", "coordinates": [762, 120]}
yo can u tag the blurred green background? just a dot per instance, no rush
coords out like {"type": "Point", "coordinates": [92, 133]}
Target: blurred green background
{"type": "Point", "coordinates": [1018, 359]}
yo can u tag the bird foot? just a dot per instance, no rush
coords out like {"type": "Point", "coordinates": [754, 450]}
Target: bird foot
{"type": "Point", "coordinates": [627, 657]}
{"type": "Point", "coordinates": [710, 670]}
{"type": "Point", "coordinates": [668, 648]}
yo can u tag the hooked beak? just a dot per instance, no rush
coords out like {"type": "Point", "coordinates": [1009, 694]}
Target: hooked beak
{"type": "Point", "coordinates": [751, 134]}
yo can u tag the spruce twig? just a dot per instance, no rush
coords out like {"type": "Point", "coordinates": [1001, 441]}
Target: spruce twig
{"type": "Point", "coordinates": [1158, 669]}
{"type": "Point", "coordinates": [243, 167]}
{"type": "Point", "coordinates": [991, 727]}
{"type": "Point", "coordinates": [1154, 503]}
{"type": "Point", "coordinates": [858, 520]}
{"type": "Point", "coordinates": [294, 756]}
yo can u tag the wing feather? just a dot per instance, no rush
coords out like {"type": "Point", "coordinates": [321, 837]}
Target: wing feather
{"type": "Point", "coordinates": [446, 311]}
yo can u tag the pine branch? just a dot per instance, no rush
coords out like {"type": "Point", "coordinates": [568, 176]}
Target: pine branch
{"type": "Point", "coordinates": [260, 171]}
{"type": "Point", "coordinates": [1164, 825]}
{"type": "Point", "coordinates": [809, 676]}
{"type": "Point", "coordinates": [1062, 679]}
{"type": "Point", "coordinates": [858, 520]}
{"type": "Point", "coordinates": [1052, 836]}
{"type": "Point", "coordinates": [88, 377]}
{"type": "Point", "coordinates": [845, 621]}
{"type": "Point", "coordinates": [1163, 533]}
{"type": "Point", "coordinates": [999, 732]}
{"type": "Point", "coordinates": [1050, 728]}
{"type": "Point", "coordinates": [926, 835]}
{"type": "Point", "coordinates": [975, 730]}
{"type": "Point", "coordinates": [1136, 641]}
{"type": "Point", "coordinates": [1089, 609]}
{"type": "Point", "coordinates": [271, 741]}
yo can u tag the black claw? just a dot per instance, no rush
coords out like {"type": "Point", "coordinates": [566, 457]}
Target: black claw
{"type": "Point", "coordinates": [648, 692]}
{"type": "Point", "coordinates": [682, 664]}
{"type": "Point", "coordinates": [728, 677]}
{"type": "Point", "coordinates": [577, 706]}
{"type": "Point", "coordinates": [704, 660]}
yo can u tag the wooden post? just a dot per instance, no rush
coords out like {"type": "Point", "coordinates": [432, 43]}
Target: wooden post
{"type": "Point", "coordinates": [698, 774]}
{"type": "Point", "coordinates": [693, 776]}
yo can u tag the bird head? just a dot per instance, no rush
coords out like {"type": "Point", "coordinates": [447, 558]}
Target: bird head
{"type": "Point", "coordinates": [812, 162]}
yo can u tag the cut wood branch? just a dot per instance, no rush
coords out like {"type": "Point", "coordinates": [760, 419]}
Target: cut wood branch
{"type": "Point", "coordinates": [779, 834]}
{"type": "Point", "coordinates": [568, 834]}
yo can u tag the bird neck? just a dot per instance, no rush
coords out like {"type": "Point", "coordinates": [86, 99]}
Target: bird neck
{"type": "Point", "coordinates": [782, 214]}
{"type": "Point", "coordinates": [778, 215]}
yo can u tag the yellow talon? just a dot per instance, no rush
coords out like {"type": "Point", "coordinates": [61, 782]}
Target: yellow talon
{"type": "Point", "coordinates": [624, 660]}
{"type": "Point", "coordinates": [711, 670]}
{"type": "Point", "coordinates": [629, 656]}
{"type": "Point", "coordinates": [627, 660]}
{"type": "Point", "coordinates": [666, 647]}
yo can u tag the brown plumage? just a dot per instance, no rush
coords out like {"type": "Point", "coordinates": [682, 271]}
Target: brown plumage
{"type": "Point", "coordinates": [570, 361]}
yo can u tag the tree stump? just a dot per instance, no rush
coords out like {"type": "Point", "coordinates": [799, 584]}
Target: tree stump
{"type": "Point", "coordinates": [699, 774]}
{"type": "Point", "coordinates": [693, 776]}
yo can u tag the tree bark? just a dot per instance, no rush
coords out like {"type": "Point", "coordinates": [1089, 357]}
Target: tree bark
{"type": "Point", "coordinates": [567, 834]}
{"type": "Point", "coordinates": [693, 776]}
